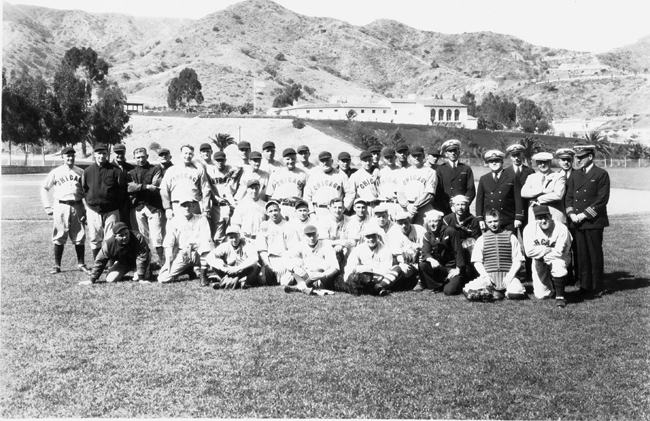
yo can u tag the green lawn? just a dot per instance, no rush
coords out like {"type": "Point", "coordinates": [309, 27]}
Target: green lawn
{"type": "Point", "coordinates": [131, 350]}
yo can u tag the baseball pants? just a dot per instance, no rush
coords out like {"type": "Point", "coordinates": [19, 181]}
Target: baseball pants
{"type": "Point", "coordinates": [149, 222]}
{"type": "Point", "coordinates": [542, 271]}
{"type": "Point", "coordinates": [178, 267]}
{"type": "Point", "coordinates": [67, 224]}
{"type": "Point", "coordinates": [100, 226]}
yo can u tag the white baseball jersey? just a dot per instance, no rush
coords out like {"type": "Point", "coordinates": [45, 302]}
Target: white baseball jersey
{"type": "Point", "coordinates": [415, 182]}
{"type": "Point", "coordinates": [185, 178]}
{"type": "Point", "coordinates": [365, 184]}
{"type": "Point", "coordinates": [537, 242]}
{"type": "Point", "coordinates": [389, 182]}
{"type": "Point", "coordinates": [271, 167]}
{"type": "Point", "coordinates": [322, 188]}
{"type": "Point", "coordinates": [66, 182]}
{"type": "Point", "coordinates": [249, 215]}
{"type": "Point", "coordinates": [285, 183]}
{"type": "Point", "coordinates": [222, 181]}
{"type": "Point", "coordinates": [400, 242]}
{"type": "Point", "coordinates": [249, 174]}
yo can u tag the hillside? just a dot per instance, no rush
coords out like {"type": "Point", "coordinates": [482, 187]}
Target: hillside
{"type": "Point", "coordinates": [261, 40]}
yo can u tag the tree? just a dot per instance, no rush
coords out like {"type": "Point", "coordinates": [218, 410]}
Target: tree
{"type": "Point", "coordinates": [365, 136]}
{"type": "Point", "coordinates": [598, 140]}
{"type": "Point", "coordinates": [532, 145]}
{"type": "Point", "coordinates": [68, 118]}
{"type": "Point", "coordinates": [496, 113]}
{"type": "Point", "coordinates": [389, 139]}
{"type": "Point", "coordinates": [247, 108]}
{"type": "Point", "coordinates": [24, 107]}
{"type": "Point", "coordinates": [223, 140]}
{"type": "Point", "coordinates": [93, 68]}
{"type": "Point", "coordinates": [469, 100]}
{"type": "Point", "coordinates": [108, 118]}
{"type": "Point", "coordinates": [531, 117]}
{"type": "Point", "coordinates": [635, 150]}
{"type": "Point", "coordinates": [290, 94]}
{"type": "Point", "coordinates": [351, 115]}
{"type": "Point", "coordinates": [184, 89]}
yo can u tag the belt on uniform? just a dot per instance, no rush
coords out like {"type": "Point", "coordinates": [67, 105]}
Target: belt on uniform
{"type": "Point", "coordinates": [372, 202]}
{"type": "Point", "coordinates": [69, 202]}
{"type": "Point", "coordinates": [320, 206]}
{"type": "Point", "coordinates": [387, 200]}
{"type": "Point", "coordinates": [251, 236]}
{"type": "Point", "coordinates": [287, 202]}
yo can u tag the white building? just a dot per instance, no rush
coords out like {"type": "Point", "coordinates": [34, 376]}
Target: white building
{"type": "Point", "coordinates": [439, 112]}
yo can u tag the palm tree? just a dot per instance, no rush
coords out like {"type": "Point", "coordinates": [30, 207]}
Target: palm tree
{"type": "Point", "coordinates": [223, 140]}
{"type": "Point", "coordinates": [599, 141]}
{"type": "Point", "coordinates": [531, 147]}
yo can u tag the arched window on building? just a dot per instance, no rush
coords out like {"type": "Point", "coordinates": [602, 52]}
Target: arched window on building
{"type": "Point", "coordinates": [456, 115]}
{"type": "Point", "coordinates": [441, 115]}
{"type": "Point", "coordinates": [433, 115]}
{"type": "Point", "coordinates": [448, 115]}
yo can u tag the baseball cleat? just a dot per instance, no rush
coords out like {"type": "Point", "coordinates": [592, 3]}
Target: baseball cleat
{"type": "Point", "coordinates": [559, 302]}
{"type": "Point", "coordinates": [82, 267]}
{"type": "Point", "coordinates": [87, 282]}
{"type": "Point", "coordinates": [55, 270]}
{"type": "Point", "coordinates": [418, 287]}
{"type": "Point", "coordinates": [383, 292]}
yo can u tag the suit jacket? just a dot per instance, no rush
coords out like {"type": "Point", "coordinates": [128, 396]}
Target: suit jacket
{"type": "Point", "coordinates": [588, 193]}
{"type": "Point", "coordinates": [452, 182]}
{"type": "Point", "coordinates": [504, 196]}
{"type": "Point", "coordinates": [523, 176]}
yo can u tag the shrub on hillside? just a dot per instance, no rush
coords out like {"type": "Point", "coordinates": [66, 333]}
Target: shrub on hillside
{"type": "Point", "coordinates": [155, 146]}
{"type": "Point", "coordinates": [280, 57]}
{"type": "Point", "coordinates": [298, 123]}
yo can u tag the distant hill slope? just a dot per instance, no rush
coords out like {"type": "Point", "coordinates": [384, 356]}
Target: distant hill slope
{"type": "Point", "coordinates": [261, 40]}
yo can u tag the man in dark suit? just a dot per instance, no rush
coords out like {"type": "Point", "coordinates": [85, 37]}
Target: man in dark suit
{"type": "Point", "coordinates": [565, 160]}
{"type": "Point", "coordinates": [586, 205]}
{"type": "Point", "coordinates": [454, 178]}
{"type": "Point", "coordinates": [500, 191]}
{"type": "Point", "coordinates": [519, 170]}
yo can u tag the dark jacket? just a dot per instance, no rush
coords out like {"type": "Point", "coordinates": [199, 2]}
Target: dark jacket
{"type": "Point", "coordinates": [588, 193]}
{"type": "Point", "coordinates": [503, 196]}
{"type": "Point", "coordinates": [453, 182]}
{"type": "Point", "coordinates": [105, 187]}
{"type": "Point", "coordinates": [135, 254]}
{"type": "Point", "coordinates": [469, 228]}
{"type": "Point", "coordinates": [138, 179]}
{"type": "Point", "coordinates": [444, 246]}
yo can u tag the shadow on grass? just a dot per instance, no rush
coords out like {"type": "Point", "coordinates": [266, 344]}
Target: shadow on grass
{"type": "Point", "coordinates": [621, 280]}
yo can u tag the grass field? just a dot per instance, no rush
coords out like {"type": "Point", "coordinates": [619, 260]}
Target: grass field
{"type": "Point", "coordinates": [178, 350]}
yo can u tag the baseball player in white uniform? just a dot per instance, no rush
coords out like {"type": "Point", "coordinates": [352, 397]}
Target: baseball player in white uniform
{"type": "Point", "coordinates": [365, 182]}
{"type": "Point", "coordinates": [190, 177]}
{"type": "Point", "coordinates": [286, 184]}
{"type": "Point", "coordinates": [325, 184]}
{"type": "Point", "coordinates": [222, 179]}
{"type": "Point", "coordinates": [419, 186]}
{"type": "Point", "coordinates": [68, 211]}
{"type": "Point", "coordinates": [549, 245]}
{"type": "Point", "coordinates": [389, 183]}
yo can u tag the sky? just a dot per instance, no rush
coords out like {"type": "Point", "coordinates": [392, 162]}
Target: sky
{"type": "Point", "coordinates": [581, 25]}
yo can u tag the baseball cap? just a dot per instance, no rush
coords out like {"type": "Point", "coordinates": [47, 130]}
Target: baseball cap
{"type": "Point", "coordinates": [400, 215]}
{"type": "Point", "coordinates": [68, 150]}
{"type": "Point", "coordinates": [514, 148]}
{"type": "Point", "coordinates": [271, 202]}
{"type": "Point", "coordinates": [219, 155]}
{"type": "Point", "coordinates": [164, 151]}
{"type": "Point", "coordinates": [244, 145]}
{"type": "Point", "coordinates": [359, 200]}
{"type": "Point", "coordinates": [268, 144]}
{"type": "Point", "coordinates": [119, 148]}
{"type": "Point", "coordinates": [255, 155]}
{"type": "Point", "coordinates": [252, 183]}
{"type": "Point", "coordinates": [303, 148]}
{"type": "Point", "coordinates": [374, 149]}
{"type": "Point", "coordinates": [386, 152]}
{"type": "Point", "coordinates": [380, 208]}
{"type": "Point", "coordinates": [288, 151]}
{"type": "Point", "coordinates": [324, 155]}
{"type": "Point", "coordinates": [120, 226]}
{"type": "Point", "coordinates": [401, 148]}
{"type": "Point", "coordinates": [433, 151]}
{"type": "Point", "coordinates": [543, 156]}
{"type": "Point", "coordinates": [301, 203]}
{"type": "Point", "coordinates": [541, 210]}
{"type": "Point", "coordinates": [310, 229]}
{"type": "Point", "coordinates": [100, 147]}
{"type": "Point", "coordinates": [342, 156]}
{"type": "Point", "coordinates": [565, 153]}
{"type": "Point", "coordinates": [365, 155]}
{"type": "Point", "coordinates": [185, 198]}
{"type": "Point", "coordinates": [418, 150]}
{"type": "Point", "coordinates": [493, 154]}
{"type": "Point", "coordinates": [205, 146]}
{"type": "Point", "coordinates": [233, 229]}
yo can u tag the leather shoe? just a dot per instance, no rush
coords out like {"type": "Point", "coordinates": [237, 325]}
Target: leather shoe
{"type": "Point", "coordinates": [84, 269]}
{"type": "Point", "coordinates": [559, 302]}
{"type": "Point", "coordinates": [55, 270]}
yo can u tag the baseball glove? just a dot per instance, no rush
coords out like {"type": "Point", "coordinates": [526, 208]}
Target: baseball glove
{"type": "Point", "coordinates": [483, 295]}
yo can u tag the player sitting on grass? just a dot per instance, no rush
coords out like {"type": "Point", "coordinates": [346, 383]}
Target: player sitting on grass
{"type": "Point", "coordinates": [186, 243]}
{"type": "Point", "coordinates": [128, 250]}
{"type": "Point", "coordinates": [275, 238]}
{"type": "Point", "coordinates": [370, 266]}
{"type": "Point", "coordinates": [315, 265]}
{"type": "Point", "coordinates": [235, 261]}
{"type": "Point", "coordinates": [548, 243]}
{"type": "Point", "coordinates": [497, 258]}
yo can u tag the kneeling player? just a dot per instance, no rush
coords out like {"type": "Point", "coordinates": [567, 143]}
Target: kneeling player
{"type": "Point", "coordinates": [235, 261]}
{"type": "Point", "coordinates": [315, 265]}
{"type": "Point", "coordinates": [129, 252]}
{"type": "Point", "coordinates": [548, 243]}
{"type": "Point", "coordinates": [186, 243]}
{"type": "Point", "coordinates": [497, 258]}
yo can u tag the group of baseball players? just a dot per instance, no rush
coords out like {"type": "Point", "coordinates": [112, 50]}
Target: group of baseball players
{"type": "Point", "coordinates": [401, 221]}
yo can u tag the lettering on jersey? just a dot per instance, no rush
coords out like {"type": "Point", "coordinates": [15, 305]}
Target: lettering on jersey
{"type": "Point", "coordinates": [289, 180]}
{"type": "Point", "coordinates": [367, 183]}
{"type": "Point", "coordinates": [545, 242]}
{"type": "Point", "coordinates": [185, 176]}
{"type": "Point", "coordinates": [417, 178]}
{"type": "Point", "coordinates": [109, 181]}
{"type": "Point", "coordinates": [66, 178]}
{"type": "Point", "coordinates": [327, 183]}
